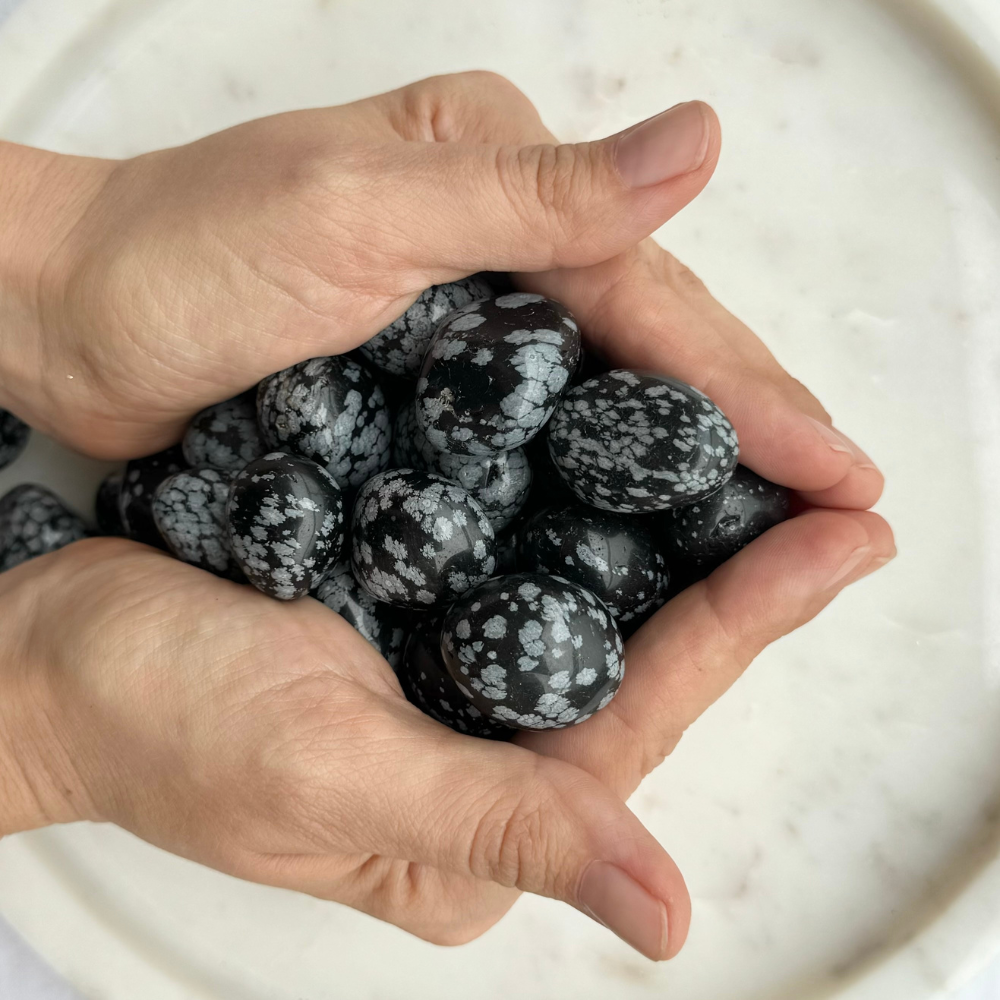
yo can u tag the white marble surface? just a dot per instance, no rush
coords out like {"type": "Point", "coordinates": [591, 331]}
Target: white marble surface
{"type": "Point", "coordinates": [842, 799]}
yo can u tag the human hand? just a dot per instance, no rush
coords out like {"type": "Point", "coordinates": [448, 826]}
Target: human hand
{"type": "Point", "coordinates": [184, 276]}
{"type": "Point", "coordinates": [270, 741]}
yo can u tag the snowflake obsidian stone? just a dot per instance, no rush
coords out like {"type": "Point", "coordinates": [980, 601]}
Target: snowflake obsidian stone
{"type": "Point", "coordinates": [34, 522]}
{"type": "Point", "coordinates": [225, 436]}
{"type": "Point", "coordinates": [494, 372]}
{"type": "Point", "coordinates": [330, 410]}
{"type": "Point", "coordinates": [189, 509]}
{"type": "Point", "coordinates": [615, 556]}
{"type": "Point", "coordinates": [705, 534]}
{"type": "Point", "coordinates": [383, 625]}
{"type": "Point", "coordinates": [399, 349]}
{"type": "Point", "coordinates": [14, 434]}
{"type": "Point", "coordinates": [419, 541]}
{"type": "Point", "coordinates": [106, 510]}
{"type": "Point", "coordinates": [286, 520]}
{"type": "Point", "coordinates": [630, 442]}
{"type": "Point", "coordinates": [428, 685]}
{"type": "Point", "coordinates": [135, 501]}
{"type": "Point", "coordinates": [500, 483]}
{"type": "Point", "coordinates": [533, 651]}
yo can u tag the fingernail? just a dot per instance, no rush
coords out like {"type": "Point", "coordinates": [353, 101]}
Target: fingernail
{"type": "Point", "coordinates": [842, 443]}
{"type": "Point", "coordinates": [675, 142]}
{"type": "Point", "coordinates": [616, 900]}
{"type": "Point", "coordinates": [850, 564]}
{"type": "Point", "coordinates": [877, 564]}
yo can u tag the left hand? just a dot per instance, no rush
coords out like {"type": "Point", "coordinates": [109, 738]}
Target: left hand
{"type": "Point", "coordinates": [154, 286]}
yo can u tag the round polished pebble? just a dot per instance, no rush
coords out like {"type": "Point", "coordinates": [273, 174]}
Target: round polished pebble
{"type": "Point", "coordinates": [286, 524]}
{"type": "Point", "coordinates": [14, 434]}
{"type": "Point", "coordinates": [399, 349]}
{"type": "Point", "coordinates": [331, 410]}
{"type": "Point", "coordinates": [106, 510]}
{"type": "Point", "coordinates": [34, 522]}
{"type": "Point", "coordinates": [428, 685]}
{"type": "Point", "coordinates": [225, 436]}
{"type": "Point", "coordinates": [383, 625]}
{"type": "Point", "coordinates": [135, 501]}
{"type": "Point", "coordinates": [494, 372]}
{"type": "Point", "coordinates": [500, 483]}
{"type": "Point", "coordinates": [418, 540]}
{"type": "Point", "coordinates": [533, 651]}
{"type": "Point", "coordinates": [705, 534]}
{"type": "Point", "coordinates": [615, 556]}
{"type": "Point", "coordinates": [189, 509]}
{"type": "Point", "coordinates": [633, 442]}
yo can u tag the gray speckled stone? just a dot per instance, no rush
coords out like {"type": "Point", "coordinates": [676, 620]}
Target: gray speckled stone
{"type": "Point", "coordinates": [225, 436]}
{"type": "Point", "coordinates": [418, 540]}
{"type": "Point", "coordinates": [14, 434]}
{"type": "Point", "coordinates": [286, 519]}
{"type": "Point", "coordinates": [428, 685]}
{"type": "Point", "coordinates": [500, 483]}
{"type": "Point", "coordinates": [494, 372]}
{"type": "Point", "coordinates": [533, 651]}
{"type": "Point", "coordinates": [705, 534]}
{"type": "Point", "coordinates": [383, 625]}
{"type": "Point", "coordinates": [615, 556]}
{"type": "Point", "coordinates": [399, 349]}
{"type": "Point", "coordinates": [632, 442]}
{"type": "Point", "coordinates": [332, 411]}
{"type": "Point", "coordinates": [189, 509]}
{"type": "Point", "coordinates": [34, 522]}
{"type": "Point", "coordinates": [135, 499]}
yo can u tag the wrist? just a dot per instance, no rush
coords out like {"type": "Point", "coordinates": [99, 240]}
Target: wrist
{"type": "Point", "coordinates": [43, 195]}
{"type": "Point", "coordinates": [38, 785]}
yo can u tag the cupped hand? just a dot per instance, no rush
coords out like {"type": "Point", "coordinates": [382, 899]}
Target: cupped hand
{"type": "Point", "coordinates": [270, 741]}
{"type": "Point", "coordinates": [190, 273]}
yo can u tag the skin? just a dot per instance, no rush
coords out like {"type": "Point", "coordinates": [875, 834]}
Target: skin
{"type": "Point", "coordinates": [269, 740]}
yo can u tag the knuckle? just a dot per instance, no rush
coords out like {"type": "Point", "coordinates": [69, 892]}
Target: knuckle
{"type": "Point", "coordinates": [681, 277]}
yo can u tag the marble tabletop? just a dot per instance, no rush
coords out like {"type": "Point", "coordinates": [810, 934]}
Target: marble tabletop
{"type": "Point", "coordinates": [24, 976]}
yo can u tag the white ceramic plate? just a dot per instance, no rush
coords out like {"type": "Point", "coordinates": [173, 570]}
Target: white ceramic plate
{"type": "Point", "coordinates": [837, 813]}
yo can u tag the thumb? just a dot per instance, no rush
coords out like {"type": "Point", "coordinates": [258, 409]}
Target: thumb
{"type": "Point", "coordinates": [535, 207]}
{"type": "Point", "coordinates": [502, 813]}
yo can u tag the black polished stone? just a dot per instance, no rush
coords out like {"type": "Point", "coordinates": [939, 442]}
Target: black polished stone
{"type": "Point", "coordinates": [532, 651]}
{"type": "Point", "coordinates": [418, 540]}
{"type": "Point", "coordinates": [634, 442]}
{"type": "Point", "coordinates": [135, 501]}
{"type": "Point", "coordinates": [494, 372]}
{"type": "Point", "coordinates": [34, 522]}
{"type": "Point", "coordinates": [286, 524]}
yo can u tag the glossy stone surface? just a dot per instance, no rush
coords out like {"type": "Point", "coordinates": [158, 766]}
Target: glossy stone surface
{"type": "Point", "coordinates": [428, 685]}
{"type": "Point", "coordinates": [383, 625]}
{"type": "Point", "coordinates": [705, 534]}
{"type": "Point", "coordinates": [225, 435]}
{"type": "Point", "coordinates": [34, 522]}
{"type": "Point", "coordinates": [500, 483]}
{"type": "Point", "coordinates": [418, 540]}
{"type": "Point", "coordinates": [615, 556]}
{"type": "Point", "coordinates": [631, 442]}
{"type": "Point", "coordinates": [14, 434]}
{"type": "Point", "coordinates": [106, 510]}
{"type": "Point", "coordinates": [533, 651]}
{"type": "Point", "coordinates": [494, 372]}
{"type": "Point", "coordinates": [189, 509]}
{"type": "Point", "coordinates": [399, 349]}
{"type": "Point", "coordinates": [135, 501]}
{"type": "Point", "coordinates": [331, 410]}
{"type": "Point", "coordinates": [286, 524]}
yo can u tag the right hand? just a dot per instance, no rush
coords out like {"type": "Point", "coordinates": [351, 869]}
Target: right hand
{"type": "Point", "coordinates": [272, 742]}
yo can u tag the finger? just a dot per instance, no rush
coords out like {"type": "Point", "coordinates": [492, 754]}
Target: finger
{"type": "Point", "coordinates": [697, 645]}
{"type": "Point", "coordinates": [635, 319]}
{"type": "Point", "coordinates": [499, 813]}
{"type": "Point", "coordinates": [530, 207]}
